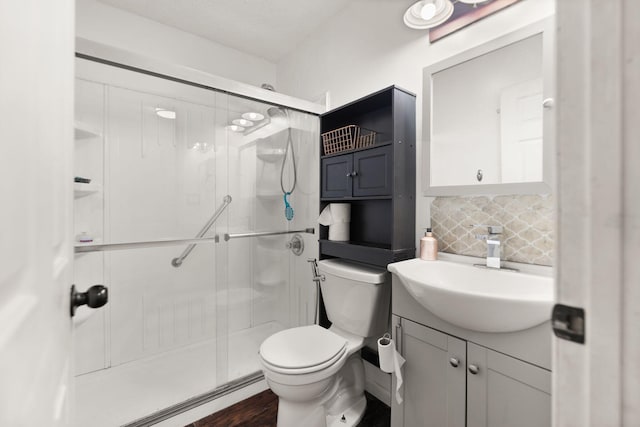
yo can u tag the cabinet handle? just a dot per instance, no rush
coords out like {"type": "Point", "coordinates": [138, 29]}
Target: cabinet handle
{"type": "Point", "coordinates": [473, 369]}
{"type": "Point", "coordinates": [354, 173]}
{"type": "Point", "coordinates": [454, 362]}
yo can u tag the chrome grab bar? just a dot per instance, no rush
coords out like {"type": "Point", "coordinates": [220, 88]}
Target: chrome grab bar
{"type": "Point", "coordinates": [177, 262]}
{"type": "Point", "coordinates": [228, 236]}
{"type": "Point", "coordinates": [100, 247]}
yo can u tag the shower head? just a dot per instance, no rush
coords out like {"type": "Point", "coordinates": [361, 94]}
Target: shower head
{"type": "Point", "coordinates": [277, 112]}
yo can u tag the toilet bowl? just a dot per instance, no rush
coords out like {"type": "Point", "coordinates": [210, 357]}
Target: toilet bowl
{"type": "Point", "coordinates": [317, 373]}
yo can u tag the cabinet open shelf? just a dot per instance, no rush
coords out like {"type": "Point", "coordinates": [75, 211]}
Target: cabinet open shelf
{"type": "Point", "coordinates": [370, 253]}
{"type": "Point", "coordinates": [355, 150]}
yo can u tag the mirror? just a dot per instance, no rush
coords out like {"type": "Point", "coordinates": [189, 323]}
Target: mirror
{"type": "Point", "coordinates": [487, 117]}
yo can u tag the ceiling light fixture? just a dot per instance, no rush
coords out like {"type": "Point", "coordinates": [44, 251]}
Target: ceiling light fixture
{"type": "Point", "coordinates": [426, 14]}
{"type": "Point", "coordinates": [166, 114]}
{"type": "Point", "coordinates": [473, 2]}
{"type": "Point", "coordinates": [242, 122]}
{"type": "Point", "coordinates": [255, 117]}
{"type": "Point", "coordinates": [235, 128]}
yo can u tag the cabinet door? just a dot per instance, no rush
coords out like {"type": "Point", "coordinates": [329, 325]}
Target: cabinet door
{"type": "Point", "coordinates": [434, 379]}
{"type": "Point", "coordinates": [373, 172]}
{"type": "Point", "coordinates": [336, 176]}
{"type": "Point", "coordinates": [506, 392]}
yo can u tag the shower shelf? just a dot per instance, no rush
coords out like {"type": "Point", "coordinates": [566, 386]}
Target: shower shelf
{"type": "Point", "coordinates": [269, 196]}
{"type": "Point", "coordinates": [84, 131]}
{"type": "Point", "coordinates": [271, 283]}
{"type": "Point", "coordinates": [272, 155]}
{"type": "Point", "coordinates": [82, 190]}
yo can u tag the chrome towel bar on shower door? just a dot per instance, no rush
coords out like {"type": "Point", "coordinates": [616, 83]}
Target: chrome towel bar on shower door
{"type": "Point", "coordinates": [177, 262]}
{"type": "Point", "coordinates": [228, 236]}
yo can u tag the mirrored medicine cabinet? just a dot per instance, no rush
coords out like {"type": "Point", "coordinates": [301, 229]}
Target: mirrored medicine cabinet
{"type": "Point", "coordinates": [488, 117]}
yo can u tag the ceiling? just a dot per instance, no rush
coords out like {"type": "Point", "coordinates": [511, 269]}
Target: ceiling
{"type": "Point", "coordinates": [265, 28]}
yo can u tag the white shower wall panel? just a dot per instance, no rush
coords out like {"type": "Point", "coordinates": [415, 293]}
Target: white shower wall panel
{"type": "Point", "coordinates": [159, 187]}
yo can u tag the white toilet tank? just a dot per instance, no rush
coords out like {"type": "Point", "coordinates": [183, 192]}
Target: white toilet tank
{"type": "Point", "coordinates": [357, 297]}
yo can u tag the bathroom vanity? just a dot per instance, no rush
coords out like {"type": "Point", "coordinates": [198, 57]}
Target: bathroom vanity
{"type": "Point", "coordinates": [456, 377]}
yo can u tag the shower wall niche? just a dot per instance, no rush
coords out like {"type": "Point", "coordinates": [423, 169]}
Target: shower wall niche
{"type": "Point", "coordinates": [161, 157]}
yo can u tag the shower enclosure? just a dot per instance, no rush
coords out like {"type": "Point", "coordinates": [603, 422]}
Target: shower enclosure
{"type": "Point", "coordinates": [173, 164]}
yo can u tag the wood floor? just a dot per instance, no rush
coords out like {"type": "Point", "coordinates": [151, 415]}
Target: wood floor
{"type": "Point", "coordinates": [261, 410]}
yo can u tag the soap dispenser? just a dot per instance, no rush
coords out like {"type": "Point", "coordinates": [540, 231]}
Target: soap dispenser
{"type": "Point", "coordinates": [428, 246]}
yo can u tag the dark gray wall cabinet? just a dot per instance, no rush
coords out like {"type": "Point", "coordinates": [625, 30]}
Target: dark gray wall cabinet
{"type": "Point", "coordinates": [378, 181]}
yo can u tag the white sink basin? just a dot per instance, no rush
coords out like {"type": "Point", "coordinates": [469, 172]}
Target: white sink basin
{"type": "Point", "coordinates": [475, 298]}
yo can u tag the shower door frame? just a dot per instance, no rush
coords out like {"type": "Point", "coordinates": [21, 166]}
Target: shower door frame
{"type": "Point", "coordinates": [99, 53]}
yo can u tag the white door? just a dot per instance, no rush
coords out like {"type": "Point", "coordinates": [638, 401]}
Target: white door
{"type": "Point", "coordinates": [521, 132]}
{"type": "Point", "coordinates": [36, 254]}
{"type": "Point", "coordinates": [596, 383]}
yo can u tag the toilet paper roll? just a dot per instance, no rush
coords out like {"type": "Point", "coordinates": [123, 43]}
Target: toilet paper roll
{"type": "Point", "coordinates": [385, 353]}
{"type": "Point", "coordinates": [337, 216]}
{"type": "Point", "coordinates": [340, 212]}
{"type": "Point", "coordinates": [391, 362]}
{"type": "Point", "coordinates": [339, 231]}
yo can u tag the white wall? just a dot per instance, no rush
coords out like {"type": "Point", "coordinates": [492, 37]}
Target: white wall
{"type": "Point", "coordinates": [114, 27]}
{"type": "Point", "coordinates": [367, 47]}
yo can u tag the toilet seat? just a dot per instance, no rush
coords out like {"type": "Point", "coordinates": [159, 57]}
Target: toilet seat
{"type": "Point", "coordinates": [302, 350]}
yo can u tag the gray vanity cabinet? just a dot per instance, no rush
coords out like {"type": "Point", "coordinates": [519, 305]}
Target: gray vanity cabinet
{"type": "Point", "coordinates": [451, 382]}
{"type": "Point", "coordinates": [434, 379]}
{"type": "Point", "coordinates": [505, 391]}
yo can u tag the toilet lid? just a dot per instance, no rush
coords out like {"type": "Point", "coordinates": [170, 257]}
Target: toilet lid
{"type": "Point", "coordinates": [302, 347]}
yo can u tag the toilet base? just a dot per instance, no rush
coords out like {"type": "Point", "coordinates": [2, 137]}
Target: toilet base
{"type": "Point", "coordinates": [325, 403]}
{"type": "Point", "coordinates": [350, 417]}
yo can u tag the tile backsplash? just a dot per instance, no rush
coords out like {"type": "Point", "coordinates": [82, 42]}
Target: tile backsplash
{"type": "Point", "coordinates": [527, 221]}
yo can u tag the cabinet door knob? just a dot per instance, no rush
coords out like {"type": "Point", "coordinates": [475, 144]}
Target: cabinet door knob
{"type": "Point", "coordinates": [454, 362]}
{"type": "Point", "coordinates": [354, 173]}
{"type": "Point", "coordinates": [473, 369]}
{"type": "Point", "coordinates": [349, 175]}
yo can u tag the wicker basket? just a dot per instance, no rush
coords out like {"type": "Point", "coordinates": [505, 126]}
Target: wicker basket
{"type": "Point", "coordinates": [366, 140]}
{"type": "Point", "coordinates": [346, 138]}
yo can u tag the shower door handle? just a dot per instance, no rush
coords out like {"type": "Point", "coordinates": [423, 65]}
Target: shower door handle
{"type": "Point", "coordinates": [95, 297]}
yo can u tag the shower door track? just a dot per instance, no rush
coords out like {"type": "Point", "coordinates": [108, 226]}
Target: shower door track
{"type": "Point", "coordinates": [194, 402]}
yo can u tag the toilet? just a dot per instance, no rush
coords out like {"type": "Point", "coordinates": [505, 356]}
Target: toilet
{"type": "Point", "coordinates": [317, 373]}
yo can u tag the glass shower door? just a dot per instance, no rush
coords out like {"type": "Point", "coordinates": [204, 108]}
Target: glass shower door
{"type": "Point", "coordinates": [162, 157]}
{"type": "Point", "coordinates": [264, 292]}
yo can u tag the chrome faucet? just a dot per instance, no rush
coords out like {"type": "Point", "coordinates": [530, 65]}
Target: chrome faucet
{"type": "Point", "coordinates": [493, 243]}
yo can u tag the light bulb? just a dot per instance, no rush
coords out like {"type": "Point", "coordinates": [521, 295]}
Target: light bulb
{"type": "Point", "coordinates": [256, 117]}
{"type": "Point", "coordinates": [235, 128]}
{"type": "Point", "coordinates": [428, 11]}
{"type": "Point", "coordinates": [242, 122]}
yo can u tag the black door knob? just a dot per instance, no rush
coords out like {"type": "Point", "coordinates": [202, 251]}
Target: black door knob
{"type": "Point", "coordinates": [95, 297]}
